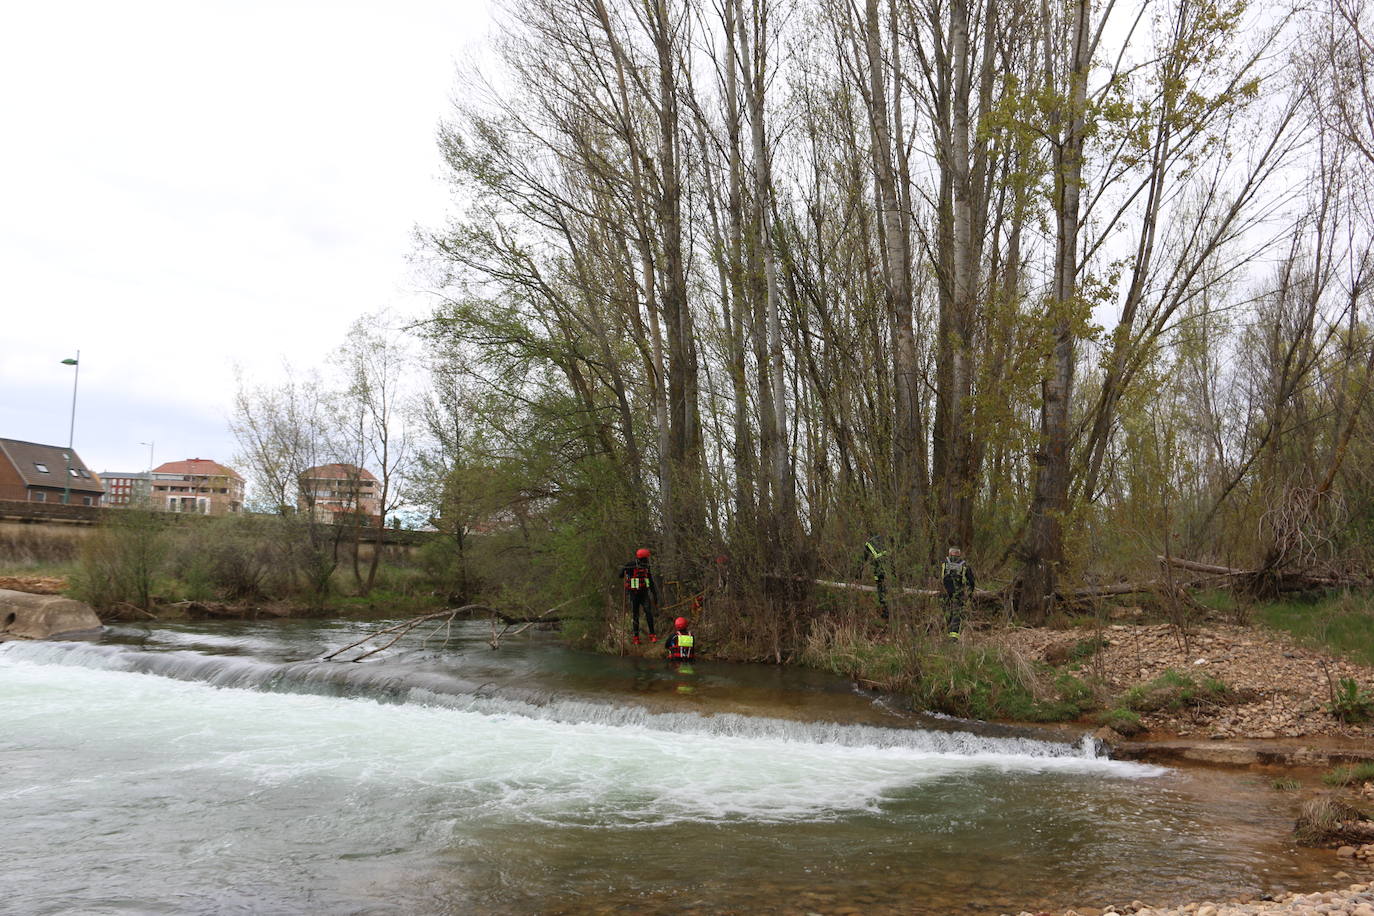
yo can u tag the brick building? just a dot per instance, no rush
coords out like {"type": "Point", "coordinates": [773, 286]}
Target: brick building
{"type": "Point", "coordinates": [126, 488]}
{"type": "Point", "coordinates": [196, 485]}
{"type": "Point", "coordinates": [338, 490]}
{"type": "Point", "coordinates": [39, 473]}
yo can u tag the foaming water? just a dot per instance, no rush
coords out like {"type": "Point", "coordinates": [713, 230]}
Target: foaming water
{"type": "Point", "coordinates": [432, 689]}
{"type": "Point", "coordinates": [163, 779]}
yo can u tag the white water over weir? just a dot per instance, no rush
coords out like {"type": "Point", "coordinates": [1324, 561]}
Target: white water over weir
{"type": "Point", "coordinates": [221, 768]}
{"type": "Point", "coordinates": [430, 690]}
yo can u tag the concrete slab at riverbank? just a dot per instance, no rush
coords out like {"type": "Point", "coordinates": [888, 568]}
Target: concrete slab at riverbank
{"type": "Point", "coordinates": [28, 616]}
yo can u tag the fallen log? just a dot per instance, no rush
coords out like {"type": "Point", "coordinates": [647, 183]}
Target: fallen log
{"type": "Point", "coordinates": [1282, 580]}
{"type": "Point", "coordinates": [1203, 567]}
{"type": "Point", "coordinates": [1086, 591]}
{"type": "Point", "coordinates": [979, 594]}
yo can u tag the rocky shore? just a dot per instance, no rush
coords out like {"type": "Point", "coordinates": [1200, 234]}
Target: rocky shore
{"type": "Point", "coordinates": [1354, 900]}
{"type": "Point", "coordinates": [1277, 689]}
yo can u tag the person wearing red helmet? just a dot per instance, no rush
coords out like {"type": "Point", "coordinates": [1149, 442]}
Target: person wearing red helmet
{"type": "Point", "coordinates": [681, 644]}
{"type": "Point", "coordinates": [641, 590]}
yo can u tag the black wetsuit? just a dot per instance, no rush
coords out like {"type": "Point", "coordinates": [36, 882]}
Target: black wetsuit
{"type": "Point", "coordinates": [642, 591]}
{"type": "Point", "coordinates": [958, 581]}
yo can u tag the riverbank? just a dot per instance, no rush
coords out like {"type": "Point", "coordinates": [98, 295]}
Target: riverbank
{"type": "Point", "coordinates": [1353, 900]}
{"type": "Point", "coordinates": [1264, 685]}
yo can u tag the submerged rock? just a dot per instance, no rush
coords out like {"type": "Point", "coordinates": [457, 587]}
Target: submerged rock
{"type": "Point", "coordinates": [28, 616]}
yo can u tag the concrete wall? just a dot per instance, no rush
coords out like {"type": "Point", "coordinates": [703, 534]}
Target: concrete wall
{"type": "Point", "coordinates": [26, 616]}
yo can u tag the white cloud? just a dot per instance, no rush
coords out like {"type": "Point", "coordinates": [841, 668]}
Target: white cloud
{"type": "Point", "coordinates": [186, 187]}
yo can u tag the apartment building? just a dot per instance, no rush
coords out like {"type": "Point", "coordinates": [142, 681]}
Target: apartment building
{"type": "Point", "coordinates": [334, 491]}
{"type": "Point", "coordinates": [195, 485]}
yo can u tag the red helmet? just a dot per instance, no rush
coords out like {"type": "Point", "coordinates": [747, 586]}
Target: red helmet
{"type": "Point", "coordinates": [680, 623]}
{"type": "Point", "coordinates": [642, 553]}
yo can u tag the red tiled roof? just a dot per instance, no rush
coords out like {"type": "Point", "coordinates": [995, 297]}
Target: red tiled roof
{"type": "Point", "coordinates": [338, 472]}
{"type": "Point", "coordinates": [197, 467]}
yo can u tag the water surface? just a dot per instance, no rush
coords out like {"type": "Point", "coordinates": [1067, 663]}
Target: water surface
{"type": "Point", "coordinates": [221, 768]}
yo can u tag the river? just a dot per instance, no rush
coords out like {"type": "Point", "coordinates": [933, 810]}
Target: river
{"type": "Point", "coordinates": [222, 768]}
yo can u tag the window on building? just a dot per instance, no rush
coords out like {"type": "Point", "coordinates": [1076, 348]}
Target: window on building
{"type": "Point", "coordinates": [85, 501]}
{"type": "Point", "coordinates": [72, 471]}
{"type": "Point", "coordinates": [40, 497]}
{"type": "Point", "coordinates": [42, 468]}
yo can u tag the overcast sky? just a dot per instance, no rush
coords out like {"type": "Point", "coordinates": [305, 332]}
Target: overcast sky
{"type": "Point", "coordinates": [189, 186]}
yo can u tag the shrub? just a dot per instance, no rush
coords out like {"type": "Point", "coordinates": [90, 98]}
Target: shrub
{"type": "Point", "coordinates": [1122, 721]}
{"type": "Point", "coordinates": [1327, 821]}
{"type": "Point", "coordinates": [121, 560]}
{"type": "Point", "coordinates": [1352, 703]}
{"type": "Point", "coordinates": [1285, 784]}
{"type": "Point", "coordinates": [1085, 649]}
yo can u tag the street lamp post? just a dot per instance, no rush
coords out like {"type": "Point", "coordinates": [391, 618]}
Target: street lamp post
{"type": "Point", "coordinates": [149, 495]}
{"type": "Point", "coordinates": [71, 430]}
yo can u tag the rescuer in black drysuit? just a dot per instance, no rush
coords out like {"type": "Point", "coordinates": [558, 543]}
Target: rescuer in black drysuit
{"type": "Point", "coordinates": [641, 590]}
{"type": "Point", "coordinates": [957, 577]}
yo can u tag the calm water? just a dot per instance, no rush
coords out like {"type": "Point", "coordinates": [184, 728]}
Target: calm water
{"type": "Point", "coordinates": [219, 768]}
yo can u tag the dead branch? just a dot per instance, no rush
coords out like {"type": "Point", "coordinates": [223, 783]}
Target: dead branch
{"type": "Point", "coordinates": [445, 618]}
{"type": "Point", "coordinates": [1202, 567]}
{"type": "Point", "coordinates": [526, 622]}
{"type": "Point", "coordinates": [401, 629]}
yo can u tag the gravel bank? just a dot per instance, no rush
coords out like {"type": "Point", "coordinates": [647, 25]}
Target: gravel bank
{"type": "Point", "coordinates": [1281, 688]}
{"type": "Point", "coordinates": [1355, 900]}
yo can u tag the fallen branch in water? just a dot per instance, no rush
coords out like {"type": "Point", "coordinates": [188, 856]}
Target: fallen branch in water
{"type": "Point", "coordinates": [445, 618]}
{"type": "Point", "coordinates": [526, 623]}
{"type": "Point", "coordinates": [400, 630]}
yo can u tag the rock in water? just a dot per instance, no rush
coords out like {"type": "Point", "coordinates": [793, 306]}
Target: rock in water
{"type": "Point", "coordinates": [28, 616]}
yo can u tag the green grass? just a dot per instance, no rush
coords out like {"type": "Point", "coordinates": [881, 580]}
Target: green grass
{"type": "Point", "coordinates": [1351, 775]}
{"type": "Point", "coordinates": [1174, 690]}
{"type": "Point", "coordinates": [12, 567]}
{"type": "Point", "coordinates": [986, 683]}
{"type": "Point", "coordinates": [1342, 623]}
{"type": "Point", "coordinates": [1121, 720]}
{"type": "Point", "coordinates": [972, 681]}
{"type": "Point", "coordinates": [1285, 784]}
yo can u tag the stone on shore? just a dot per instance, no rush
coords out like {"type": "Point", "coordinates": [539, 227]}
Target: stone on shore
{"type": "Point", "coordinates": [28, 616]}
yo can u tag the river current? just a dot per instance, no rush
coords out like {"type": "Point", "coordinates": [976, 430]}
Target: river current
{"type": "Point", "coordinates": [223, 768]}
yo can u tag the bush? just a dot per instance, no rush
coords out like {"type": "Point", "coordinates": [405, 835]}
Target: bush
{"type": "Point", "coordinates": [1352, 703]}
{"type": "Point", "coordinates": [1328, 821]}
{"type": "Point", "coordinates": [121, 561]}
